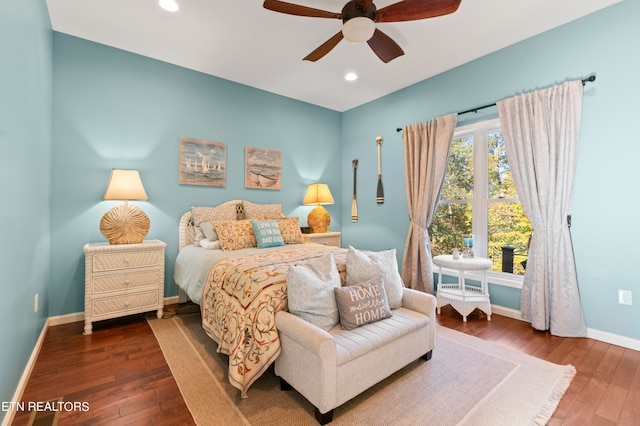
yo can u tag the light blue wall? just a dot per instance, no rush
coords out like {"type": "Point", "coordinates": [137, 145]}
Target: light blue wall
{"type": "Point", "coordinates": [114, 109]}
{"type": "Point", "coordinates": [25, 174]}
{"type": "Point", "coordinates": [605, 204]}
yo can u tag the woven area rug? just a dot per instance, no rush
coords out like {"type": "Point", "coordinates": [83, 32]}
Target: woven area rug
{"type": "Point", "coordinates": [467, 382]}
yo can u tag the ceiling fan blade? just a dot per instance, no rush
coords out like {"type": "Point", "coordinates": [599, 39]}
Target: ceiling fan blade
{"type": "Point", "coordinates": [411, 10]}
{"type": "Point", "coordinates": [296, 9]}
{"type": "Point", "coordinates": [383, 46]}
{"type": "Point", "coordinates": [324, 48]}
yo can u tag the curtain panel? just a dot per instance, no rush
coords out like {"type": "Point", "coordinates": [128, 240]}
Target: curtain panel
{"type": "Point", "coordinates": [426, 154]}
{"type": "Point", "coordinates": [541, 132]}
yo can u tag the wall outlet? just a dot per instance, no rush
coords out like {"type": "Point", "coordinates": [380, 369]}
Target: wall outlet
{"type": "Point", "coordinates": [35, 303]}
{"type": "Point", "coordinates": [624, 297]}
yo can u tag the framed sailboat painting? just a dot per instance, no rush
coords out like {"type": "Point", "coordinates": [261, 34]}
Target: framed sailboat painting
{"type": "Point", "coordinates": [202, 162]}
{"type": "Point", "coordinates": [263, 168]}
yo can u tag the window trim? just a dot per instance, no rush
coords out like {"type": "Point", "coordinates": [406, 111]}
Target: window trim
{"type": "Point", "coordinates": [480, 226]}
{"type": "Point", "coordinates": [503, 279]}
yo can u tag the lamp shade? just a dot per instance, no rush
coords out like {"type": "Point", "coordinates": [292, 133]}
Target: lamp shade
{"type": "Point", "coordinates": [125, 185]}
{"type": "Point", "coordinates": [318, 194]}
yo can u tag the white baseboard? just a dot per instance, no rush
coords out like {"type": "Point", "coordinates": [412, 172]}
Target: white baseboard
{"type": "Point", "coordinates": [79, 316]}
{"type": "Point", "coordinates": [173, 300]}
{"type": "Point", "coordinates": [602, 336]}
{"type": "Point", "coordinates": [24, 379]}
{"type": "Point", "coordinates": [507, 312]}
{"type": "Point", "coordinates": [613, 339]}
{"type": "Point", "coordinates": [51, 321]}
{"type": "Point", "coordinates": [66, 319]}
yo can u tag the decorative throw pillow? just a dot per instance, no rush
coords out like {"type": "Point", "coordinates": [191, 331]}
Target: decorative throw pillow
{"type": "Point", "coordinates": [235, 234]}
{"type": "Point", "coordinates": [267, 233]}
{"type": "Point", "coordinates": [310, 288]}
{"type": "Point", "coordinates": [209, 231]}
{"type": "Point", "coordinates": [210, 245]}
{"type": "Point", "coordinates": [264, 211]}
{"type": "Point", "coordinates": [362, 303]}
{"type": "Point", "coordinates": [210, 214]}
{"type": "Point", "coordinates": [363, 265]}
{"type": "Point", "coordinates": [290, 230]}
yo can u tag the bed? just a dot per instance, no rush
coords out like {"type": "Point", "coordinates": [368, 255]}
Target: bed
{"type": "Point", "coordinates": [239, 290]}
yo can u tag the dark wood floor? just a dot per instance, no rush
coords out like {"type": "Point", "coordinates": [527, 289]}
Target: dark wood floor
{"type": "Point", "coordinates": [120, 372]}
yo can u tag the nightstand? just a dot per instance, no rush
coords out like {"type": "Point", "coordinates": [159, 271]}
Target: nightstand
{"type": "Point", "coordinates": [326, 238]}
{"type": "Point", "coordinates": [122, 279]}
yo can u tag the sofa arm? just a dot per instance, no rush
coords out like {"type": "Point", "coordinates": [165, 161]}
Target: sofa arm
{"type": "Point", "coordinates": [308, 360]}
{"type": "Point", "coordinates": [304, 333]}
{"type": "Point", "coordinates": [424, 303]}
{"type": "Point", "coordinates": [419, 301]}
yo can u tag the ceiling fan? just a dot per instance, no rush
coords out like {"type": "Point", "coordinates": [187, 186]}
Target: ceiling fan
{"type": "Point", "coordinates": [359, 18]}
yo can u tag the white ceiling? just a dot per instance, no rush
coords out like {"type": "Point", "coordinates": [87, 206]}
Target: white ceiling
{"type": "Point", "coordinates": [239, 40]}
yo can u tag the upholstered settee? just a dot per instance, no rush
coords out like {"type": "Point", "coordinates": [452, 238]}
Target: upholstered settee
{"type": "Point", "coordinates": [330, 367]}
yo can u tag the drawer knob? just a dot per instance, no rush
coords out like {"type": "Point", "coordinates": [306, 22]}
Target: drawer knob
{"type": "Point", "coordinates": [126, 260]}
{"type": "Point", "coordinates": [126, 303]}
{"type": "Point", "coordinates": [127, 282]}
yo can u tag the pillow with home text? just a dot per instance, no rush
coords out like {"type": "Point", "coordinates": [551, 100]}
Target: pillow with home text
{"type": "Point", "coordinates": [362, 303]}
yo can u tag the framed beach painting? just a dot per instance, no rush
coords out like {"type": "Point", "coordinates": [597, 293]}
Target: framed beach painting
{"type": "Point", "coordinates": [263, 168]}
{"type": "Point", "coordinates": [202, 162]}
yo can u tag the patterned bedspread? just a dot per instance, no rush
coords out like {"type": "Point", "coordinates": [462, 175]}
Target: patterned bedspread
{"type": "Point", "coordinates": [239, 303]}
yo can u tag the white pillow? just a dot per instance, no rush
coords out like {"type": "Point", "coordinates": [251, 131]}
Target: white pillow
{"type": "Point", "coordinates": [363, 265]}
{"type": "Point", "coordinates": [310, 290]}
{"type": "Point", "coordinates": [262, 211]}
{"type": "Point", "coordinates": [209, 231]}
{"type": "Point", "coordinates": [210, 245]}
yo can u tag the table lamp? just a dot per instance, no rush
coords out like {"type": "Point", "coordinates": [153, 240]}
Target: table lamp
{"type": "Point", "coordinates": [318, 194]}
{"type": "Point", "coordinates": [125, 223]}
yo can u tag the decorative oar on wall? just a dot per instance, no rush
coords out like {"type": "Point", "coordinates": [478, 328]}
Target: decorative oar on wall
{"type": "Point", "coordinates": [380, 192]}
{"type": "Point", "coordinates": [354, 203]}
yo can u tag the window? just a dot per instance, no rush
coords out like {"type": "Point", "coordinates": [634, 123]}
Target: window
{"type": "Point", "coordinates": [478, 197]}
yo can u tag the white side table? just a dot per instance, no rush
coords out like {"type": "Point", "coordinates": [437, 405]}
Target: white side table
{"type": "Point", "coordinates": [122, 279]}
{"type": "Point", "coordinates": [462, 297]}
{"type": "Point", "coordinates": [326, 238]}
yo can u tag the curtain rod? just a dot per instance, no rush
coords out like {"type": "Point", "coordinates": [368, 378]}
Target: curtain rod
{"type": "Point", "coordinates": [476, 109]}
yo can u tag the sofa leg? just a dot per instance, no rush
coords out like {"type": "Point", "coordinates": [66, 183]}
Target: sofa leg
{"type": "Point", "coordinates": [325, 418]}
{"type": "Point", "coordinates": [426, 356]}
{"type": "Point", "coordinates": [284, 386]}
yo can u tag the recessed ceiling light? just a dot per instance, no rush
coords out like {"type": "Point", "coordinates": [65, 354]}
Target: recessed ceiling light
{"type": "Point", "coordinates": [169, 5]}
{"type": "Point", "coordinates": [351, 76]}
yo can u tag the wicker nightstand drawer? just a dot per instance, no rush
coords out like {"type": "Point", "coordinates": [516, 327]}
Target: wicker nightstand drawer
{"type": "Point", "coordinates": [132, 280]}
{"type": "Point", "coordinates": [115, 261]}
{"type": "Point", "coordinates": [125, 304]}
{"type": "Point", "coordinates": [122, 279]}
{"type": "Point", "coordinates": [325, 238]}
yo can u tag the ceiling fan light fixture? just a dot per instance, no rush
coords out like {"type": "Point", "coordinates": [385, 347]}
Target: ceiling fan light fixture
{"type": "Point", "coordinates": [358, 30]}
